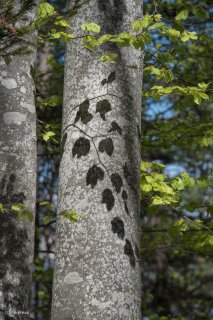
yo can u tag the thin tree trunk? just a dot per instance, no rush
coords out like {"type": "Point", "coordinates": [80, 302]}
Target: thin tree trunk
{"type": "Point", "coordinates": [17, 180]}
{"type": "Point", "coordinates": [97, 273]}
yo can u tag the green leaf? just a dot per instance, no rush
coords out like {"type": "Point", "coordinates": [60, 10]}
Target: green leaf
{"type": "Point", "coordinates": [178, 184]}
{"type": "Point", "coordinates": [146, 187]}
{"type": "Point", "coordinates": [47, 135]}
{"type": "Point", "coordinates": [42, 295]}
{"type": "Point", "coordinates": [164, 200]}
{"type": "Point", "coordinates": [105, 38]}
{"type": "Point", "coordinates": [71, 215]}
{"type": "Point", "coordinates": [123, 39]}
{"type": "Point", "coordinates": [45, 9]}
{"type": "Point", "coordinates": [181, 225]}
{"type": "Point", "coordinates": [109, 57]}
{"type": "Point", "coordinates": [91, 27]}
{"type": "Point", "coordinates": [138, 42]}
{"type": "Point", "coordinates": [203, 85]}
{"type": "Point", "coordinates": [203, 182]}
{"type": "Point", "coordinates": [210, 211]}
{"type": "Point", "coordinates": [1, 208]}
{"type": "Point", "coordinates": [210, 240]}
{"type": "Point", "coordinates": [157, 17]}
{"type": "Point", "coordinates": [187, 35]}
{"type": "Point", "coordinates": [160, 73]}
{"type": "Point", "coordinates": [30, 215]}
{"type": "Point", "coordinates": [189, 182]}
{"type": "Point", "coordinates": [22, 215]}
{"type": "Point", "coordinates": [149, 179]}
{"type": "Point", "coordinates": [158, 176]}
{"type": "Point", "coordinates": [206, 141]}
{"type": "Point", "coordinates": [146, 37]}
{"type": "Point", "coordinates": [46, 204]}
{"type": "Point", "coordinates": [143, 23]}
{"type": "Point", "coordinates": [163, 188]}
{"type": "Point", "coordinates": [51, 102]}
{"type": "Point", "coordinates": [197, 98]}
{"type": "Point", "coordinates": [203, 95]}
{"type": "Point", "coordinates": [200, 13]}
{"type": "Point", "coordinates": [92, 40]}
{"type": "Point", "coordinates": [17, 206]}
{"type": "Point", "coordinates": [156, 25]}
{"type": "Point", "coordinates": [62, 23]}
{"type": "Point", "coordinates": [89, 46]}
{"type": "Point", "coordinates": [47, 219]}
{"type": "Point", "coordinates": [182, 15]}
{"type": "Point", "coordinates": [145, 165]}
{"type": "Point", "coordinates": [64, 36]}
{"type": "Point", "coordinates": [173, 33]}
{"type": "Point", "coordinates": [153, 70]}
{"type": "Point", "coordinates": [26, 214]}
{"type": "Point", "coordinates": [157, 201]}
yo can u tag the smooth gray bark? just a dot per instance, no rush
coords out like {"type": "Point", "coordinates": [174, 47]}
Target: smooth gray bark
{"type": "Point", "coordinates": [97, 273]}
{"type": "Point", "coordinates": [17, 180]}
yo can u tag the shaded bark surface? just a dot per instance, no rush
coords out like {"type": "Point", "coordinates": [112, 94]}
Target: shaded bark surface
{"type": "Point", "coordinates": [97, 273]}
{"type": "Point", "coordinates": [17, 180]}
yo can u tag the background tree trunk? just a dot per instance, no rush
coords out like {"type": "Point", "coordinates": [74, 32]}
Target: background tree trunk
{"type": "Point", "coordinates": [17, 179]}
{"type": "Point", "coordinates": [97, 273]}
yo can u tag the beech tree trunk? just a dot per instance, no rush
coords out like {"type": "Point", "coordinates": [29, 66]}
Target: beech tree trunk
{"type": "Point", "coordinates": [17, 180]}
{"type": "Point", "coordinates": [97, 272]}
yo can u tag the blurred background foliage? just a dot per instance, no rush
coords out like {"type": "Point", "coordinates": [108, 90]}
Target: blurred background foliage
{"type": "Point", "coordinates": [177, 253]}
{"type": "Point", "coordinates": [176, 174]}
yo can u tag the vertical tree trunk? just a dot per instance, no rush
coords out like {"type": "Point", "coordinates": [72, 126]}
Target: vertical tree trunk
{"type": "Point", "coordinates": [97, 273]}
{"type": "Point", "coordinates": [17, 180]}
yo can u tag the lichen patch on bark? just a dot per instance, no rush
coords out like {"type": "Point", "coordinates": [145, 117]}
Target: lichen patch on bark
{"type": "Point", "coordinates": [8, 83]}
{"type": "Point", "coordinates": [14, 118]}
